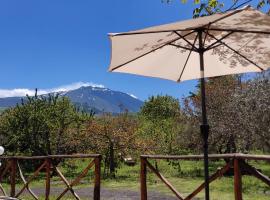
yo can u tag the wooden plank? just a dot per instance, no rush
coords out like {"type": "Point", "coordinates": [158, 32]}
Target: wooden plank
{"type": "Point", "coordinates": [66, 183]}
{"type": "Point", "coordinates": [143, 179]}
{"type": "Point", "coordinates": [165, 181]}
{"type": "Point", "coordinates": [216, 175]}
{"type": "Point", "coordinates": [31, 178]}
{"type": "Point", "coordinates": [77, 179]}
{"type": "Point", "coordinates": [97, 179]}
{"type": "Point", "coordinates": [237, 180]}
{"type": "Point", "coordinates": [189, 157]}
{"type": "Point", "coordinates": [7, 168]}
{"type": "Point", "coordinates": [24, 181]}
{"type": "Point", "coordinates": [13, 177]}
{"type": "Point", "coordinates": [177, 157]}
{"type": "Point", "coordinates": [252, 157]}
{"type": "Point", "coordinates": [51, 156]}
{"type": "Point", "coordinates": [256, 173]}
{"type": "Point", "coordinates": [48, 179]}
{"type": "Point", "coordinates": [2, 190]}
{"type": "Point", "coordinates": [211, 156]}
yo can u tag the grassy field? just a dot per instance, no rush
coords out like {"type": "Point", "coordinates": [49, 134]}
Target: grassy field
{"type": "Point", "coordinates": [190, 175]}
{"type": "Point", "coordinates": [184, 175]}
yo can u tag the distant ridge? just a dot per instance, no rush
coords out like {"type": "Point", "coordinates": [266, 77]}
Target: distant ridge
{"type": "Point", "coordinates": [87, 98]}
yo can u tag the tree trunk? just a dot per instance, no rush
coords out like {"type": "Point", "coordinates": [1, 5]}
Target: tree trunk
{"type": "Point", "coordinates": [112, 163]}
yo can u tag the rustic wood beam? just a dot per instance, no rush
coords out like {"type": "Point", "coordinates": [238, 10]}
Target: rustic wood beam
{"type": "Point", "coordinates": [165, 181]}
{"type": "Point", "coordinates": [77, 179]}
{"type": "Point", "coordinates": [66, 183]}
{"type": "Point", "coordinates": [24, 181]}
{"type": "Point", "coordinates": [3, 190]}
{"type": "Point", "coordinates": [31, 178]}
{"type": "Point", "coordinates": [13, 172]}
{"type": "Point", "coordinates": [51, 156]}
{"type": "Point", "coordinates": [143, 179]}
{"type": "Point", "coordinates": [216, 175]}
{"type": "Point", "coordinates": [97, 178]}
{"type": "Point", "coordinates": [255, 173]}
{"type": "Point", "coordinates": [237, 180]}
{"type": "Point", "coordinates": [211, 156]}
{"type": "Point", "coordinates": [48, 178]}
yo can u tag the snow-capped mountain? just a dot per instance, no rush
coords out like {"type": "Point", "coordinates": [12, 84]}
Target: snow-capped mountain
{"type": "Point", "coordinates": [88, 98]}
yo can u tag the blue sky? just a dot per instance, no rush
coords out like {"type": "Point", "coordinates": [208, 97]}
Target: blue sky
{"type": "Point", "coordinates": [52, 43]}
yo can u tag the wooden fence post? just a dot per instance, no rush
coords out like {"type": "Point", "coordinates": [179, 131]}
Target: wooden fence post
{"type": "Point", "coordinates": [143, 179]}
{"type": "Point", "coordinates": [48, 177]}
{"type": "Point", "coordinates": [13, 177]}
{"type": "Point", "coordinates": [97, 178]}
{"type": "Point", "coordinates": [237, 180]}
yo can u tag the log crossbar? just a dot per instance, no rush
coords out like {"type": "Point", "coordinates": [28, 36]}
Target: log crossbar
{"type": "Point", "coordinates": [236, 161]}
{"type": "Point", "coordinates": [13, 170]}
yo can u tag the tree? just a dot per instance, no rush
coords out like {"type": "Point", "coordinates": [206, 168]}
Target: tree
{"type": "Point", "coordinates": [238, 113]}
{"type": "Point", "coordinates": [219, 92]}
{"type": "Point", "coordinates": [111, 136]}
{"type": "Point", "coordinates": [160, 107]}
{"type": "Point", "coordinates": [253, 105]}
{"type": "Point", "coordinates": [41, 125]}
{"type": "Point", "coordinates": [161, 122]}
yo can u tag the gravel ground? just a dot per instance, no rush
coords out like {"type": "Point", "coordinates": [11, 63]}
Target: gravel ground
{"type": "Point", "coordinates": [106, 194]}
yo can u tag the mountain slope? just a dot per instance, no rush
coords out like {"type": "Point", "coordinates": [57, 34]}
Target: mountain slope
{"type": "Point", "coordinates": [92, 98]}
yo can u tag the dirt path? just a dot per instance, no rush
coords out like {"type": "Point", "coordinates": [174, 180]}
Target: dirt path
{"type": "Point", "coordinates": [107, 194]}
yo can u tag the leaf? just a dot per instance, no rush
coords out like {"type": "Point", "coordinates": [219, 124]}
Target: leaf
{"type": "Point", "coordinates": [261, 4]}
{"type": "Point", "coordinates": [197, 1]}
{"type": "Point", "coordinates": [196, 11]}
{"type": "Point", "coordinates": [213, 3]}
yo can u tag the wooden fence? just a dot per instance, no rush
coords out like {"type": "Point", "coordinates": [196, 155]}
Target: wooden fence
{"type": "Point", "coordinates": [237, 162]}
{"type": "Point", "coordinates": [13, 170]}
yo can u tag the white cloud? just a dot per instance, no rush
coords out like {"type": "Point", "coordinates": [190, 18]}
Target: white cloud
{"type": "Point", "coordinates": [19, 92]}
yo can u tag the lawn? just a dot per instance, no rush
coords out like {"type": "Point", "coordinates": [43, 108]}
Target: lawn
{"type": "Point", "coordinates": [184, 175]}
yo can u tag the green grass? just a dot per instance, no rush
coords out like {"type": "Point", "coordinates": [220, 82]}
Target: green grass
{"type": "Point", "coordinates": [185, 176]}
{"type": "Point", "coordinates": [189, 176]}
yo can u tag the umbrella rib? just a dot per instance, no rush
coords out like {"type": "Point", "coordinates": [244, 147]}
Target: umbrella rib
{"type": "Point", "coordinates": [232, 7]}
{"type": "Point", "coordinates": [179, 79]}
{"type": "Point", "coordinates": [237, 52]}
{"type": "Point", "coordinates": [214, 46]}
{"type": "Point", "coordinates": [240, 31]}
{"type": "Point", "coordinates": [228, 15]}
{"type": "Point", "coordinates": [184, 29]}
{"type": "Point", "coordinates": [179, 46]}
{"type": "Point", "coordinates": [167, 43]}
{"type": "Point", "coordinates": [211, 45]}
{"type": "Point", "coordinates": [206, 33]}
{"type": "Point", "coordinates": [183, 37]}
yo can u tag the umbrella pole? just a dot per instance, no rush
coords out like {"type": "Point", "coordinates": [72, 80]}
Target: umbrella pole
{"type": "Point", "coordinates": [204, 126]}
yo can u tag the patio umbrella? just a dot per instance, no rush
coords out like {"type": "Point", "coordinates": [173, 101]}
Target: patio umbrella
{"type": "Point", "coordinates": [234, 42]}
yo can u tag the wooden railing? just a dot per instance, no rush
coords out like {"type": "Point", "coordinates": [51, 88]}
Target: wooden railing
{"type": "Point", "coordinates": [237, 162]}
{"type": "Point", "coordinates": [13, 170]}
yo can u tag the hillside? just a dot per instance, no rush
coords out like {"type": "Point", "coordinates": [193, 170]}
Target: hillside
{"type": "Point", "coordinates": [92, 98]}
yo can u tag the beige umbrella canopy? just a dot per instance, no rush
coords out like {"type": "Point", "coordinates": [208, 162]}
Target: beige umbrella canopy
{"type": "Point", "coordinates": [234, 42]}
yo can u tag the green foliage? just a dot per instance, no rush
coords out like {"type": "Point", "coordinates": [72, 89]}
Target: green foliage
{"type": "Point", "coordinates": [161, 123]}
{"type": "Point", "coordinates": [41, 125]}
{"type": "Point", "coordinates": [209, 7]}
{"type": "Point", "coordinates": [160, 107]}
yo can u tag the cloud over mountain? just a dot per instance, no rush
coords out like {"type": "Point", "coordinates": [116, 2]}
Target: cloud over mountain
{"type": "Point", "coordinates": [85, 96]}
{"type": "Point", "coordinates": [20, 92]}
